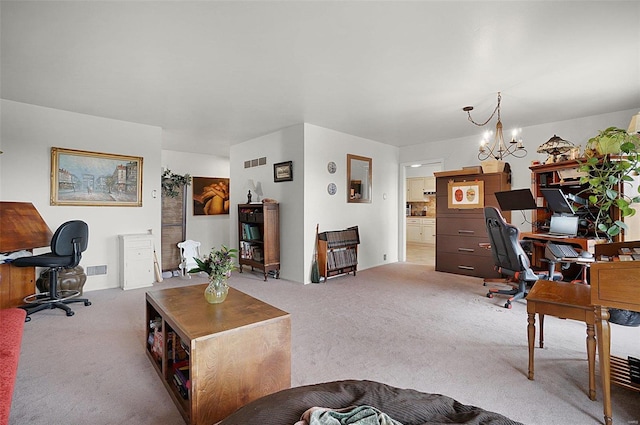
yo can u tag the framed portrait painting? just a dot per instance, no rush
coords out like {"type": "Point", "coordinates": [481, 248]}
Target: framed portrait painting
{"type": "Point", "coordinates": [465, 194]}
{"type": "Point", "coordinates": [95, 179]}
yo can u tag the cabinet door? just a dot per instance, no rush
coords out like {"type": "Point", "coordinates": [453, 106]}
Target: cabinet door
{"type": "Point", "coordinates": [429, 233]}
{"type": "Point", "coordinates": [415, 187]}
{"type": "Point", "coordinates": [429, 184]}
{"type": "Point", "coordinates": [414, 233]}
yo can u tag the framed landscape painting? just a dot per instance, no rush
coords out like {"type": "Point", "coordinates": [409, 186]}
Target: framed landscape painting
{"type": "Point", "coordinates": [95, 179]}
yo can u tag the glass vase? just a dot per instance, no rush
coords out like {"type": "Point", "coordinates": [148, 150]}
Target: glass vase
{"type": "Point", "coordinates": [216, 291]}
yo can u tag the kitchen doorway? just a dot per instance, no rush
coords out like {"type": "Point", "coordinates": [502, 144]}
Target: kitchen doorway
{"type": "Point", "coordinates": [419, 206]}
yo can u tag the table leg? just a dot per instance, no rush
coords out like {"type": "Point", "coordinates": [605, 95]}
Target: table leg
{"type": "Point", "coordinates": [591, 357]}
{"type": "Point", "coordinates": [531, 332]}
{"type": "Point", "coordinates": [604, 353]}
{"type": "Point", "coordinates": [541, 316]}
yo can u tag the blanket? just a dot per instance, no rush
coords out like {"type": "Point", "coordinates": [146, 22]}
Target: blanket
{"type": "Point", "coordinates": [360, 415]}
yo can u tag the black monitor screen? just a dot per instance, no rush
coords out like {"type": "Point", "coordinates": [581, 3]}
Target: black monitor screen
{"type": "Point", "coordinates": [556, 201]}
{"type": "Point", "coordinates": [520, 199]}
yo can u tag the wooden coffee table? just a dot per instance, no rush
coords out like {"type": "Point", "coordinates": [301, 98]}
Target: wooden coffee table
{"type": "Point", "coordinates": [236, 351]}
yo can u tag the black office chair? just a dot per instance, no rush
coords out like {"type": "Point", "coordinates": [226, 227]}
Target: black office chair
{"type": "Point", "coordinates": [509, 257]}
{"type": "Point", "coordinates": [67, 245]}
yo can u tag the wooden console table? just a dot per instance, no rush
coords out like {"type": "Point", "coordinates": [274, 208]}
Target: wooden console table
{"type": "Point", "coordinates": [567, 301]}
{"type": "Point", "coordinates": [233, 352]}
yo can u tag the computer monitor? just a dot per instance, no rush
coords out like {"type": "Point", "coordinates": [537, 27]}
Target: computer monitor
{"type": "Point", "coordinates": [557, 201]}
{"type": "Point", "coordinates": [519, 199]}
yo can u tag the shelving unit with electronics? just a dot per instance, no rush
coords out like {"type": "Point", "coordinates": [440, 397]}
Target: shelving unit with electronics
{"type": "Point", "coordinates": [338, 252]}
{"type": "Point", "coordinates": [259, 238]}
{"type": "Point", "coordinates": [564, 175]}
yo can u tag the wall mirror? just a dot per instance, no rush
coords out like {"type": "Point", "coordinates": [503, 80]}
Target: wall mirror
{"type": "Point", "coordinates": [358, 179]}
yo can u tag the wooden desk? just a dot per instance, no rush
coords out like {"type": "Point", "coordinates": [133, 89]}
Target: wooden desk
{"type": "Point", "coordinates": [567, 301]}
{"type": "Point", "coordinates": [21, 228]}
{"type": "Point", "coordinates": [237, 351]}
{"type": "Point", "coordinates": [539, 240]}
{"type": "Point", "coordinates": [616, 285]}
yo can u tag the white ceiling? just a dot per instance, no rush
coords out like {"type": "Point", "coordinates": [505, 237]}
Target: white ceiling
{"type": "Point", "coordinates": [215, 73]}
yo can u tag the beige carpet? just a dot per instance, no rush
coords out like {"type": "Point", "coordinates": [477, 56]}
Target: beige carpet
{"type": "Point", "coordinates": [402, 324]}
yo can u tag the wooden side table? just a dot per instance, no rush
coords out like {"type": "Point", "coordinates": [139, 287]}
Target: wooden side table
{"type": "Point", "coordinates": [567, 301]}
{"type": "Point", "coordinates": [613, 285]}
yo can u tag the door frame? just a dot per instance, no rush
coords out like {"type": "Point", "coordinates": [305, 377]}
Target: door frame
{"type": "Point", "coordinates": [402, 223]}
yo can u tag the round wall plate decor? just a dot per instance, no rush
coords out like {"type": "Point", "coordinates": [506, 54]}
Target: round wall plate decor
{"type": "Point", "coordinates": [331, 167]}
{"type": "Point", "coordinates": [332, 189]}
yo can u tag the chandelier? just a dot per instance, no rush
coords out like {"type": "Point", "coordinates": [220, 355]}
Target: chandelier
{"type": "Point", "coordinates": [499, 149]}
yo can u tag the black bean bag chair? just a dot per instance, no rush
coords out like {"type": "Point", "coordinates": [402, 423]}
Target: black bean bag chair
{"type": "Point", "coordinates": [410, 407]}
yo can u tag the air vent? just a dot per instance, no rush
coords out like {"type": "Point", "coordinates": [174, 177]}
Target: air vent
{"type": "Point", "coordinates": [255, 162]}
{"type": "Point", "coordinates": [95, 270]}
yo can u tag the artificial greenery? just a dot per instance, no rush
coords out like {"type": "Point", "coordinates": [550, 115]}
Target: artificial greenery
{"type": "Point", "coordinates": [612, 159]}
{"type": "Point", "coordinates": [172, 183]}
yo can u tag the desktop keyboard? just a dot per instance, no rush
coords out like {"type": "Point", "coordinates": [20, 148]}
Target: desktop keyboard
{"type": "Point", "coordinates": [562, 251]}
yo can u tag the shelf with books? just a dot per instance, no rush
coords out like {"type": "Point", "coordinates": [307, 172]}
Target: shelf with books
{"type": "Point", "coordinates": [259, 238]}
{"type": "Point", "coordinates": [338, 252]}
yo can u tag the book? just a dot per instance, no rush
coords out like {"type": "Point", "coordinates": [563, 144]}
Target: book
{"type": "Point", "coordinates": [255, 233]}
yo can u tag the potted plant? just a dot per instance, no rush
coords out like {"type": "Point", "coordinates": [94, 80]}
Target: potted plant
{"type": "Point", "coordinates": [172, 183]}
{"type": "Point", "coordinates": [218, 266]}
{"type": "Point", "coordinates": [612, 161]}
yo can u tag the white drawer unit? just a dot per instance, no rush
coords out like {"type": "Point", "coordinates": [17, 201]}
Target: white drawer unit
{"type": "Point", "coordinates": [136, 261]}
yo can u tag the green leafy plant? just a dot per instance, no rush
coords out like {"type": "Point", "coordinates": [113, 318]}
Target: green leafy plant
{"type": "Point", "coordinates": [172, 183]}
{"type": "Point", "coordinates": [612, 162]}
{"type": "Point", "coordinates": [218, 264]}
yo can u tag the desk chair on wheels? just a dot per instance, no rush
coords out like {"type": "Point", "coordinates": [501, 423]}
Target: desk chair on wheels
{"type": "Point", "coordinates": [509, 258]}
{"type": "Point", "coordinates": [67, 245]}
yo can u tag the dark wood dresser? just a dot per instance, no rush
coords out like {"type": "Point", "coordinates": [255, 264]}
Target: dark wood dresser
{"type": "Point", "coordinates": [459, 231]}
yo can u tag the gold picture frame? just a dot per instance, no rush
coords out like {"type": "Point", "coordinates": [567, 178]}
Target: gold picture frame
{"type": "Point", "coordinates": [86, 178]}
{"type": "Point", "coordinates": [465, 195]}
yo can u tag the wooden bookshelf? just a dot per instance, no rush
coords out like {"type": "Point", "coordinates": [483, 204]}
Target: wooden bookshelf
{"type": "Point", "coordinates": [338, 252]}
{"type": "Point", "coordinates": [259, 238]}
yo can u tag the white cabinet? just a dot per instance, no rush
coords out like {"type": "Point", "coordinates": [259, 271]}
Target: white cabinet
{"type": "Point", "coordinates": [418, 186]}
{"type": "Point", "coordinates": [429, 230]}
{"type": "Point", "coordinates": [136, 261]}
{"type": "Point", "coordinates": [421, 230]}
{"type": "Point", "coordinates": [430, 184]}
{"type": "Point", "coordinates": [414, 231]}
{"type": "Point", "coordinates": [415, 189]}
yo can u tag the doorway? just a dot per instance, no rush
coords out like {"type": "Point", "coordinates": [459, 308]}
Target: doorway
{"type": "Point", "coordinates": [418, 224]}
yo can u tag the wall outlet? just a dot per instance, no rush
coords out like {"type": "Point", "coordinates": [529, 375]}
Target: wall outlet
{"type": "Point", "coordinates": [384, 257]}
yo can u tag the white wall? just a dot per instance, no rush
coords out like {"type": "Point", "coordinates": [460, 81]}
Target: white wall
{"type": "Point", "coordinates": [305, 202]}
{"type": "Point", "coordinates": [458, 153]}
{"type": "Point", "coordinates": [210, 230]}
{"type": "Point", "coordinates": [28, 134]}
{"type": "Point", "coordinates": [377, 221]}
{"type": "Point", "coordinates": [283, 145]}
